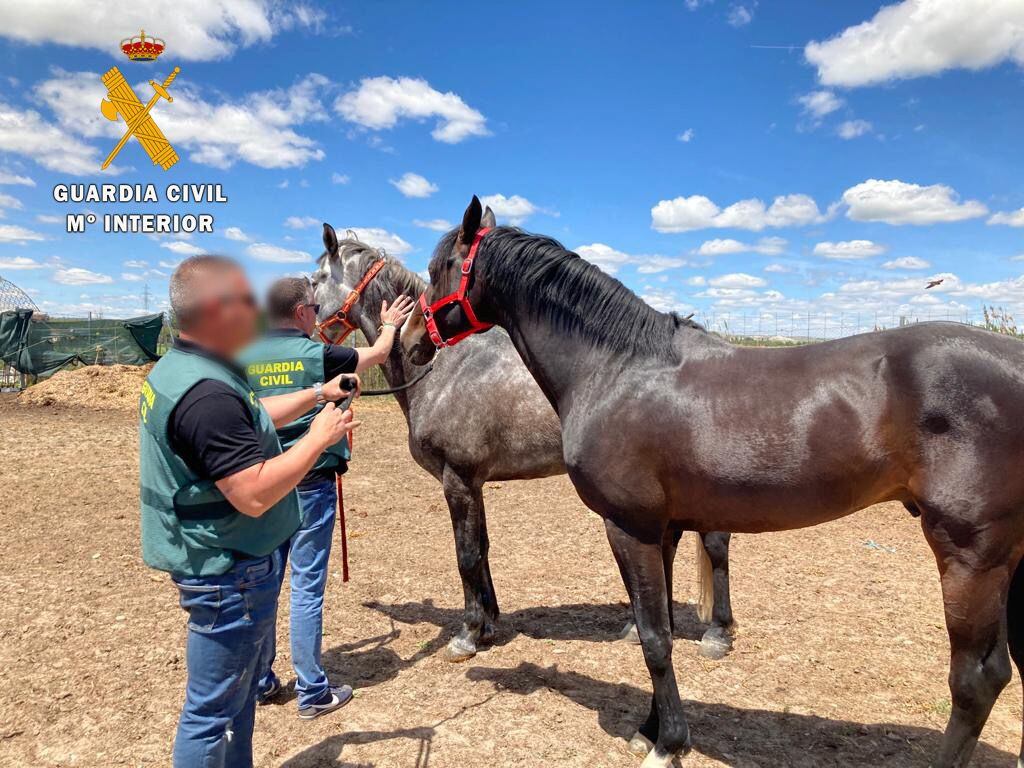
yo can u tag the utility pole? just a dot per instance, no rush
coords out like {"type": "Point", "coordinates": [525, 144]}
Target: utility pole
{"type": "Point", "coordinates": [145, 297]}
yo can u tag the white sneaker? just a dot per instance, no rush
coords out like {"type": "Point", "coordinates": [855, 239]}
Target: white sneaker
{"type": "Point", "coordinates": [335, 698]}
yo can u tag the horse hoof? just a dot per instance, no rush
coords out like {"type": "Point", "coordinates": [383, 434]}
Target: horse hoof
{"type": "Point", "coordinates": [459, 650]}
{"type": "Point", "coordinates": [640, 745]}
{"type": "Point", "coordinates": [655, 760]}
{"type": "Point", "coordinates": [629, 634]}
{"type": "Point", "coordinates": [716, 644]}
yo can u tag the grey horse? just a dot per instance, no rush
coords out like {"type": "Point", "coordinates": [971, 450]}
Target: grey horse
{"type": "Point", "coordinates": [480, 416]}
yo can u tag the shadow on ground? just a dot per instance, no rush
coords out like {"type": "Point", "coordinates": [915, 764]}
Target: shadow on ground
{"type": "Point", "coordinates": [581, 621]}
{"type": "Point", "coordinates": [744, 738]}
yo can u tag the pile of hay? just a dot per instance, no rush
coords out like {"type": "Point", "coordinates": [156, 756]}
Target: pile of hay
{"type": "Point", "coordinates": [94, 386]}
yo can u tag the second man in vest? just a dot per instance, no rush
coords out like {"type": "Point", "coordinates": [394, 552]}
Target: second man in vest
{"type": "Point", "coordinates": [286, 360]}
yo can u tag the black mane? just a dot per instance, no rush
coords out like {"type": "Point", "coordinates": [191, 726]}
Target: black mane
{"type": "Point", "coordinates": [537, 274]}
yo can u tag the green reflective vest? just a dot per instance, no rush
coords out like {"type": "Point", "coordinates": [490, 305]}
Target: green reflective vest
{"type": "Point", "coordinates": [277, 365]}
{"type": "Point", "coordinates": [188, 527]}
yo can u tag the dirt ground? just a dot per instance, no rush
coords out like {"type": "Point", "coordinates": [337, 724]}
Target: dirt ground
{"type": "Point", "coordinates": [840, 660]}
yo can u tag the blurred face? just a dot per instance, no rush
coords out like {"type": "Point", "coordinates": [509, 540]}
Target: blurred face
{"type": "Point", "coordinates": [227, 313]}
{"type": "Point", "coordinates": [305, 314]}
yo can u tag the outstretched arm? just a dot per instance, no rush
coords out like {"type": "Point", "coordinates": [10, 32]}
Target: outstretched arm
{"type": "Point", "coordinates": [391, 319]}
{"type": "Point", "coordinates": [284, 409]}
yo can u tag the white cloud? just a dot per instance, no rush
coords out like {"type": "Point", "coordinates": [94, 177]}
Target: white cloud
{"type": "Point", "coordinates": [414, 185]}
{"type": "Point", "coordinates": [380, 102]}
{"type": "Point", "coordinates": [44, 218]}
{"type": "Point", "coordinates": [132, 277]}
{"type": "Point", "coordinates": [10, 201]}
{"type": "Point", "coordinates": [609, 259]}
{"type": "Point", "coordinates": [181, 248]}
{"type": "Point", "coordinates": [389, 242]}
{"type": "Point", "coordinates": [171, 265]}
{"type": "Point", "coordinates": [277, 254]}
{"type": "Point", "coordinates": [603, 256]}
{"type": "Point", "coordinates": [852, 129]}
{"type": "Point", "coordinates": [683, 214]}
{"type": "Point", "coordinates": [26, 133]}
{"type": "Point", "coordinates": [738, 280]}
{"type": "Point", "coordinates": [18, 263]}
{"type": "Point", "coordinates": [11, 233]}
{"type": "Point", "coordinates": [780, 269]}
{"type": "Point", "coordinates": [340, 178]}
{"type": "Point", "coordinates": [257, 128]}
{"type": "Point", "coordinates": [818, 104]}
{"type": "Point", "coordinates": [897, 202]}
{"type": "Point", "coordinates": [849, 249]}
{"type": "Point", "coordinates": [236, 234]}
{"type": "Point", "coordinates": [79, 276]}
{"type": "Point", "coordinates": [922, 37]}
{"type": "Point", "coordinates": [1010, 218]}
{"type": "Point", "coordinates": [768, 246]}
{"type": "Point", "coordinates": [741, 15]}
{"type": "Point", "coordinates": [663, 301]}
{"type": "Point", "coordinates": [195, 30]}
{"type": "Point", "coordinates": [437, 225]}
{"type": "Point", "coordinates": [6, 177]}
{"type": "Point", "coordinates": [516, 209]}
{"type": "Point", "coordinates": [135, 264]}
{"type": "Point", "coordinates": [301, 222]}
{"type": "Point", "coordinates": [686, 136]}
{"type": "Point", "coordinates": [907, 262]}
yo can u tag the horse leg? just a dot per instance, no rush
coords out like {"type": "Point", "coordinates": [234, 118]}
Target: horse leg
{"type": "Point", "coordinates": [1015, 630]}
{"type": "Point", "coordinates": [974, 593]}
{"type": "Point", "coordinates": [717, 641]}
{"type": "Point", "coordinates": [466, 506]}
{"type": "Point", "coordinates": [490, 598]}
{"type": "Point", "coordinates": [642, 567]}
{"type": "Point", "coordinates": [669, 546]}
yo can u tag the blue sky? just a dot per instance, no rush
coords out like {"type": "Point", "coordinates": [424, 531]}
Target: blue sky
{"type": "Point", "coordinates": [754, 158]}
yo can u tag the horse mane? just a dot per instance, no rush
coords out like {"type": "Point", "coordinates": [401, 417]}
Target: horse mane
{"type": "Point", "coordinates": [541, 277]}
{"type": "Point", "coordinates": [396, 275]}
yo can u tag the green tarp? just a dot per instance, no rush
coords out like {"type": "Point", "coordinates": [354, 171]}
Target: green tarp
{"type": "Point", "coordinates": [40, 347]}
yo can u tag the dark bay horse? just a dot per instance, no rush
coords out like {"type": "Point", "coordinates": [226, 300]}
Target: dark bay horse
{"type": "Point", "coordinates": [712, 436]}
{"type": "Point", "coordinates": [480, 416]}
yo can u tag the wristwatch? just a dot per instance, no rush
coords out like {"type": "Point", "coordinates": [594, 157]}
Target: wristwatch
{"type": "Point", "coordinates": [318, 388]}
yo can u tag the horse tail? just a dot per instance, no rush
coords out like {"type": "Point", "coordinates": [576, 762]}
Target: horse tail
{"type": "Point", "coordinates": [706, 583]}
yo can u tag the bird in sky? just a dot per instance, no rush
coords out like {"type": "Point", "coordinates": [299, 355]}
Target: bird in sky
{"type": "Point", "coordinates": [933, 283]}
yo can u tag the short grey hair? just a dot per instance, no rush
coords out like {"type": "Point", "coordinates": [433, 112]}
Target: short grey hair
{"type": "Point", "coordinates": [187, 282]}
{"type": "Point", "coordinates": [284, 295]}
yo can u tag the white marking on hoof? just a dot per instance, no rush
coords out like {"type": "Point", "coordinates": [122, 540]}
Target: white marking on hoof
{"type": "Point", "coordinates": [456, 651]}
{"type": "Point", "coordinates": [640, 745]}
{"type": "Point", "coordinates": [629, 634]}
{"type": "Point", "coordinates": [654, 760]}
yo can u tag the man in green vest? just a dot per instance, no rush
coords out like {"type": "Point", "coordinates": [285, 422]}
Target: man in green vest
{"type": "Point", "coordinates": [286, 360]}
{"type": "Point", "coordinates": [218, 499]}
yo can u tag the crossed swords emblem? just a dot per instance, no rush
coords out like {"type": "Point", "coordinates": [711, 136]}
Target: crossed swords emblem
{"type": "Point", "coordinates": [123, 101]}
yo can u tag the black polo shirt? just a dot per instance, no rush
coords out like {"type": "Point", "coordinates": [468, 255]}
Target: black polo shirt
{"type": "Point", "coordinates": [211, 427]}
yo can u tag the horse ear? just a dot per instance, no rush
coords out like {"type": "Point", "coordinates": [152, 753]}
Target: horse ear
{"type": "Point", "coordinates": [471, 220]}
{"type": "Point", "coordinates": [330, 239]}
{"type": "Point", "coordinates": [488, 219]}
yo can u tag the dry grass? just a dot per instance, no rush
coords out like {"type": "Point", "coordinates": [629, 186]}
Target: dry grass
{"type": "Point", "coordinates": [96, 387]}
{"type": "Point", "coordinates": [841, 659]}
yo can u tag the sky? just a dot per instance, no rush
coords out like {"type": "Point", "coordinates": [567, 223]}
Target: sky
{"type": "Point", "coordinates": [734, 158]}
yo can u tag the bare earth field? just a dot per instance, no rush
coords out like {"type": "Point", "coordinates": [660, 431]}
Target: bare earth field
{"type": "Point", "coordinates": [840, 659]}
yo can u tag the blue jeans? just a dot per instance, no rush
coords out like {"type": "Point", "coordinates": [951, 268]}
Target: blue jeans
{"type": "Point", "coordinates": [308, 551]}
{"type": "Point", "coordinates": [230, 630]}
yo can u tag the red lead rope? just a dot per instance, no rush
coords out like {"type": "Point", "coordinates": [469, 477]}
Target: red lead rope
{"type": "Point", "coordinates": [344, 532]}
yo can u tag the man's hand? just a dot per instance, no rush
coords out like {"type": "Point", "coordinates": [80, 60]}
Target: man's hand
{"type": "Point", "coordinates": [340, 386]}
{"type": "Point", "coordinates": [397, 313]}
{"type": "Point", "coordinates": [330, 425]}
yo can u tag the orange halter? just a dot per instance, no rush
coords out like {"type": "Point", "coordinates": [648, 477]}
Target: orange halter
{"type": "Point", "coordinates": [341, 316]}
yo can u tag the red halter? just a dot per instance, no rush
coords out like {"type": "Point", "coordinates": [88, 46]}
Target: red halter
{"type": "Point", "coordinates": [341, 316]}
{"type": "Point", "coordinates": [457, 297]}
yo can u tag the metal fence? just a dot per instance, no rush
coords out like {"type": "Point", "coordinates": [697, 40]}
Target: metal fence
{"type": "Point", "coordinates": [802, 327]}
